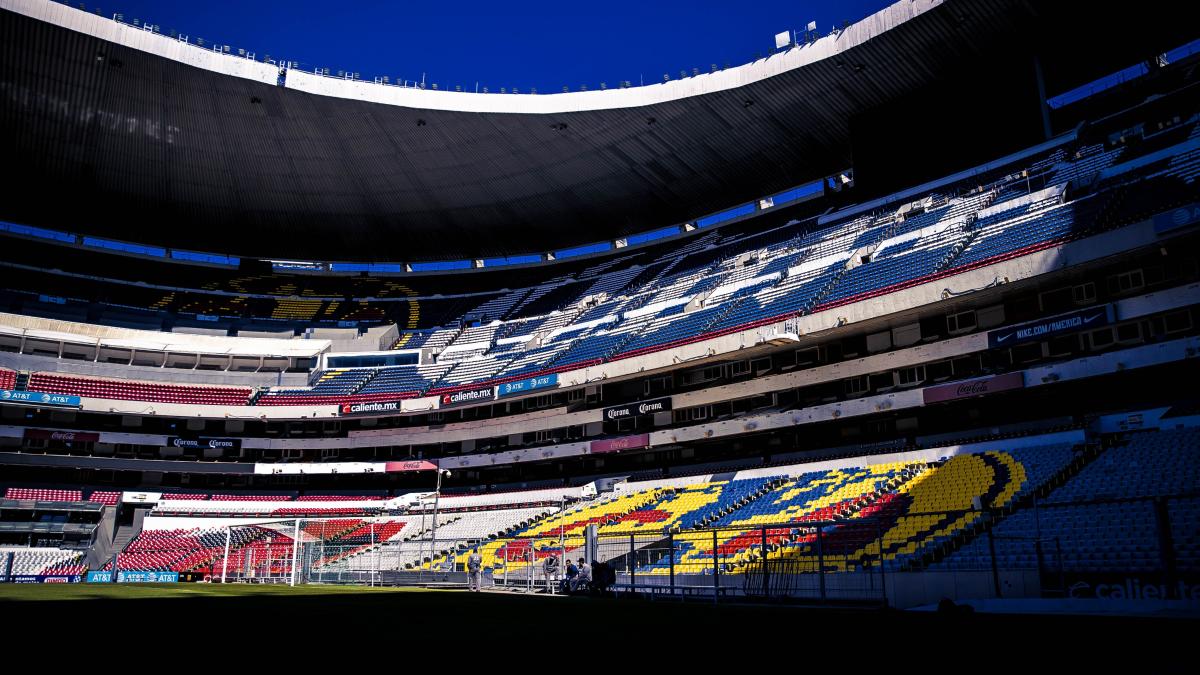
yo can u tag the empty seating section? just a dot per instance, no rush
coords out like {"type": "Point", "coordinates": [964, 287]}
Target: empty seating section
{"type": "Point", "coordinates": [797, 292]}
{"type": "Point", "coordinates": [382, 384]}
{"type": "Point", "coordinates": [202, 550]}
{"type": "Point", "coordinates": [343, 540]}
{"type": "Point", "coordinates": [1103, 518]}
{"type": "Point", "coordinates": [339, 498]}
{"type": "Point", "coordinates": [897, 259]}
{"type": "Point", "coordinates": [816, 496]}
{"type": "Point", "coordinates": [43, 561]}
{"type": "Point", "coordinates": [499, 306]}
{"type": "Point", "coordinates": [44, 495]}
{"type": "Point", "coordinates": [689, 506]}
{"type": "Point", "coordinates": [1004, 234]}
{"type": "Point", "coordinates": [484, 333]}
{"type": "Point", "coordinates": [404, 379]}
{"type": "Point", "coordinates": [473, 370]}
{"type": "Point", "coordinates": [720, 281]}
{"type": "Point", "coordinates": [8, 378]}
{"type": "Point", "coordinates": [415, 339]}
{"type": "Point", "coordinates": [530, 544]}
{"type": "Point", "coordinates": [1185, 533]}
{"type": "Point", "coordinates": [340, 382]}
{"type": "Point", "coordinates": [908, 507]}
{"type": "Point", "coordinates": [1096, 513]}
{"type": "Point", "coordinates": [1152, 464]}
{"type": "Point", "coordinates": [105, 497]}
{"type": "Point", "coordinates": [127, 390]}
{"type": "Point", "coordinates": [1088, 538]}
{"type": "Point", "coordinates": [797, 271]}
{"type": "Point", "coordinates": [1088, 160]}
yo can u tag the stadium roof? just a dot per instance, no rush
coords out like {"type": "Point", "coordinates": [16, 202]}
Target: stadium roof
{"type": "Point", "coordinates": [114, 131]}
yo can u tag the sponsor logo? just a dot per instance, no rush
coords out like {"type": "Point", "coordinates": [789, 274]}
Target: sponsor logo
{"type": "Point", "coordinates": [211, 443]}
{"type": "Point", "coordinates": [412, 465]}
{"type": "Point", "coordinates": [39, 398]}
{"type": "Point", "coordinates": [370, 408]}
{"type": "Point", "coordinates": [132, 577]}
{"type": "Point", "coordinates": [1088, 318]}
{"type": "Point", "coordinates": [987, 385]}
{"type": "Point", "coordinates": [1176, 218]}
{"type": "Point", "coordinates": [634, 409]}
{"type": "Point", "coordinates": [1116, 587]}
{"type": "Point", "coordinates": [468, 396]}
{"type": "Point", "coordinates": [522, 386]}
{"type": "Point", "coordinates": [618, 444]}
{"type": "Point", "coordinates": [62, 436]}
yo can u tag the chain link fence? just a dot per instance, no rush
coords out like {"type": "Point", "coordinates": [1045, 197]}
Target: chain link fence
{"type": "Point", "coordinates": [1100, 548]}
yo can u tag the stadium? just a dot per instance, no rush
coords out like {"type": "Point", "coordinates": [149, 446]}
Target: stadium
{"type": "Point", "coordinates": [891, 321]}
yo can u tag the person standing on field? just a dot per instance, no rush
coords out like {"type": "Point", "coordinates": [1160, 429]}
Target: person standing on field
{"type": "Point", "coordinates": [474, 570]}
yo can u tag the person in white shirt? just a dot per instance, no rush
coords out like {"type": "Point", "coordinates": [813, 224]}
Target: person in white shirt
{"type": "Point", "coordinates": [474, 570]}
{"type": "Point", "coordinates": [585, 575]}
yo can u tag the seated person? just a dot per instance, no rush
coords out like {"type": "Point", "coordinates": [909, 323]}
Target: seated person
{"type": "Point", "coordinates": [584, 578]}
{"type": "Point", "coordinates": [568, 582]}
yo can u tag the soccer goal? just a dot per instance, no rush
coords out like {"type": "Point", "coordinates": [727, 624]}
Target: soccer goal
{"type": "Point", "coordinates": [263, 552]}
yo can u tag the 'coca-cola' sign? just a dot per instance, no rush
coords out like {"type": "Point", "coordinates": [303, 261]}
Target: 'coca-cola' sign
{"type": "Point", "coordinates": [62, 436]}
{"type": "Point", "coordinates": [618, 444]}
{"type": "Point", "coordinates": [976, 387]}
{"type": "Point", "coordinates": [412, 465]}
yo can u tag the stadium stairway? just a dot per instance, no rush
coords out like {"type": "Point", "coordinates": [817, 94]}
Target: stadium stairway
{"type": "Point", "coordinates": [127, 533]}
{"type": "Point", "coordinates": [820, 295]}
{"type": "Point", "coordinates": [1084, 455]}
{"type": "Point", "coordinates": [22, 380]}
{"type": "Point", "coordinates": [374, 372]}
{"type": "Point", "coordinates": [102, 549]}
{"type": "Point", "coordinates": [520, 302]}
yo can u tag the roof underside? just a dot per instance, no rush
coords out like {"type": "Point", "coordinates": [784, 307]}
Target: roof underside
{"type": "Point", "coordinates": [104, 139]}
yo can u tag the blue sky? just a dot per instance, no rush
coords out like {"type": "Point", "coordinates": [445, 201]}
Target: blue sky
{"type": "Point", "coordinates": [539, 44]}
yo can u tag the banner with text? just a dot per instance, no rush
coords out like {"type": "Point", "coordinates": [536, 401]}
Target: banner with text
{"type": "Point", "coordinates": [134, 577]}
{"type": "Point", "coordinates": [373, 408]}
{"type": "Point", "coordinates": [63, 436]}
{"type": "Point", "coordinates": [44, 579]}
{"type": "Point", "coordinates": [635, 409]}
{"type": "Point", "coordinates": [525, 386]}
{"type": "Point", "coordinates": [1177, 218]}
{"type": "Point", "coordinates": [417, 465]}
{"type": "Point", "coordinates": [619, 444]}
{"type": "Point", "coordinates": [978, 387]}
{"type": "Point", "coordinates": [39, 398]}
{"type": "Point", "coordinates": [1093, 317]}
{"type": "Point", "coordinates": [468, 396]}
{"type": "Point", "coordinates": [208, 443]}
